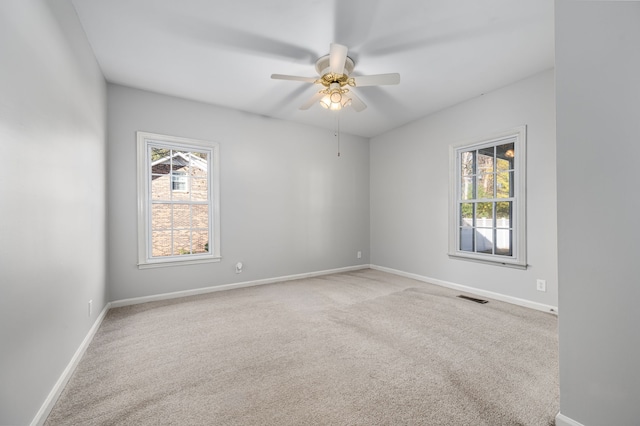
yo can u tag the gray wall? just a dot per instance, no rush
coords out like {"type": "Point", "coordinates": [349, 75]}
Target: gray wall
{"type": "Point", "coordinates": [289, 204]}
{"type": "Point", "coordinates": [598, 149]}
{"type": "Point", "coordinates": [409, 190]}
{"type": "Point", "coordinates": [52, 211]}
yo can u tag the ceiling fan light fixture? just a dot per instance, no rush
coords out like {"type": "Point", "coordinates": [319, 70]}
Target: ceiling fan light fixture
{"type": "Point", "coordinates": [325, 102]}
{"type": "Point", "coordinates": [335, 101]}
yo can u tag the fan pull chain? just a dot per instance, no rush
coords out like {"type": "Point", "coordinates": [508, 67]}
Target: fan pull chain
{"type": "Point", "coordinates": [337, 132]}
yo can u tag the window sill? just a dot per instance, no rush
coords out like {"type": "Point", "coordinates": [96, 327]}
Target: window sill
{"type": "Point", "coordinates": [165, 263]}
{"type": "Point", "coordinates": [509, 263]}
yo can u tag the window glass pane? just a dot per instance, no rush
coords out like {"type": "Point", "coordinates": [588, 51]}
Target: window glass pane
{"type": "Point", "coordinates": [199, 189]}
{"type": "Point", "coordinates": [505, 155]}
{"type": "Point", "coordinates": [485, 186]}
{"type": "Point", "coordinates": [466, 239]}
{"type": "Point", "coordinates": [484, 240]}
{"type": "Point", "coordinates": [485, 160]}
{"type": "Point", "coordinates": [160, 161]}
{"type": "Point", "coordinates": [200, 216]}
{"type": "Point", "coordinates": [466, 189]}
{"type": "Point", "coordinates": [161, 187]}
{"type": "Point", "coordinates": [466, 214]}
{"type": "Point", "coordinates": [198, 163]}
{"type": "Point", "coordinates": [180, 187]}
{"type": "Point", "coordinates": [484, 214]}
{"type": "Point", "coordinates": [161, 243]}
{"type": "Point", "coordinates": [160, 216]}
{"type": "Point", "coordinates": [179, 181]}
{"type": "Point", "coordinates": [504, 185]}
{"type": "Point", "coordinates": [180, 195]}
{"type": "Point", "coordinates": [467, 163]}
{"type": "Point", "coordinates": [180, 161]}
{"type": "Point", "coordinates": [181, 242]}
{"type": "Point", "coordinates": [159, 153]}
{"type": "Point", "coordinates": [504, 211]}
{"type": "Point", "coordinates": [502, 164]}
{"type": "Point", "coordinates": [504, 242]}
{"type": "Point", "coordinates": [181, 216]}
{"type": "Point", "coordinates": [160, 168]}
{"type": "Point", "coordinates": [200, 241]}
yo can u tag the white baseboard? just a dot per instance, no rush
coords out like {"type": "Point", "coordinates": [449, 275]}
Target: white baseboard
{"type": "Point", "coordinates": [53, 396]}
{"type": "Point", "coordinates": [472, 290]}
{"type": "Point", "coordinates": [47, 406]}
{"type": "Point", "coordinates": [204, 290]}
{"type": "Point", "coordinates": [562, 420]}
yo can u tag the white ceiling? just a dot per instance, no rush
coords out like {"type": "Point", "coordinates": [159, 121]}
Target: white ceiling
{"type": "Point", "coordinates": [223, 52]}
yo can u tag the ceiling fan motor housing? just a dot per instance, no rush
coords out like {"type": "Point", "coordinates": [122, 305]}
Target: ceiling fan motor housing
{"type": "Point", "coordinates": [324, 69]}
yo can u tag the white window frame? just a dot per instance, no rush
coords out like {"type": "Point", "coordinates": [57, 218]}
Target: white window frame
{"type": "Point", "coordinates": [144, 141]}
{"type": "Point", "coordinates": [518, 259]}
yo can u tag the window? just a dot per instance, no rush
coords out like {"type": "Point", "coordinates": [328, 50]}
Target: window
{"type": "Point", "coordinates": [178, 208]}
{"type": "Point", "coordinates": [488, 199]}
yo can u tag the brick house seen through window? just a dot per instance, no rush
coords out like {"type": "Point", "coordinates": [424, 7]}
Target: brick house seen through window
{"type": "Point", "coordinates": [179, 225]}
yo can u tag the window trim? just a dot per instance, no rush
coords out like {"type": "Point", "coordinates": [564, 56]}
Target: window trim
{"type": "Point", "coordinates": [143, 140]}
{"type": "Point", "coordinates": [519, 257]}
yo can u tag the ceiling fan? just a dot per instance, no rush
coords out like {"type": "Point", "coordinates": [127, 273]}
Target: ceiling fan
{"type": "Point", "coordinates": [334, 72]}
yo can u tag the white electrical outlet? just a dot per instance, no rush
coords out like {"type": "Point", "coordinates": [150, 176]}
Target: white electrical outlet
{"type": "Point", "coordinates": [541, 285]}
{"type": "Point", "coordinates": [90, 308]}
{"type": "Point", "coordinates": [359, 255]}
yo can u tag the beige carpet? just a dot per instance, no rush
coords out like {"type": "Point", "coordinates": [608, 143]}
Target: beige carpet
{"type": "Point", "coordinates": [359, 348]}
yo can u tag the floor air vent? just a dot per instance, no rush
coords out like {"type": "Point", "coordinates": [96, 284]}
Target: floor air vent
{"type": "Point", "coordinates": [473, 299]}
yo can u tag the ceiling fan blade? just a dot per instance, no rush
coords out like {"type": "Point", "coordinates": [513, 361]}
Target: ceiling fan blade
{"type": "Point", "coordinates": [284, 102]}
{"type": "Point", "coordinates": [419, 39]}
{"type": "Point", "coordinates": [315, 98]}
{"type": "Point", "coordinates": [353, 20]}
{"type": "Point", "coordinates": [377, 80]}
{"type": "Point", "coordinates": [242, 41]}
{"type": "Point", "coordinates": [337, 58]}
{"type": "Point", "coordinates": [356, 102]}
{"type": "Point", "coordinates": [294, 78]}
